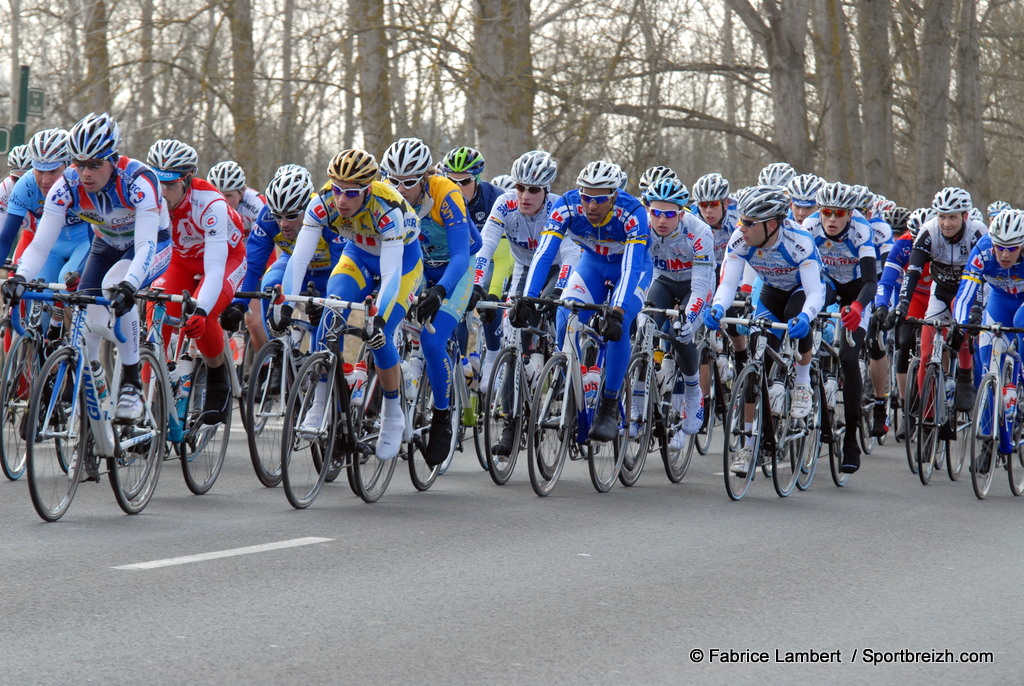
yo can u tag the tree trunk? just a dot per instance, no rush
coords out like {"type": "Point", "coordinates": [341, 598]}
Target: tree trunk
{"type": "Point", "coordinates": [503, 83]}
{"type": "Point", "coordinates": [839, 144]}
{"type": "Point", "coordinates": [243, 89]}
{"type": "Point", "coordinates": [374, 81]}
{"type": "Point", "coordinates": [288, 129]}
{"type": "Point", "coordinates": [15, 37]}
{"type": "Point", "coordinates": [969, 106]}
{"type": "Point", "coordinates": [933, 99]}
{"type": "Point", "coordinates": [97, 58]}
{"type": "Point", "coordinates": [147, 86]}
{"type": "Point", "coordinates": [877, 85]}
{"type": "Point", "coordinates": [729, 59]}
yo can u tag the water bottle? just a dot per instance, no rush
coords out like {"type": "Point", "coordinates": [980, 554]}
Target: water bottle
{"type": "Point", "coordinates": [725, 371]}
{"type": "Point", "coordinates": [1010, 400]}
{"type": "Point", "coordinates": [666, 372]}
{"type": "Point", "coordinates": [474, 362]}
{"type": "Point", "coordinates": [591, 382]}
{"type": "Point", "coordinates": [467, 371]}
{"type": "Point", "coordinates": [831, 392]}
{"type": "Point", "coordinates": [184, 375]}
{"type": "Point", "coordinates": [412, 370]}
{"type": "Point", "coordinates": [358, 383]}
{"type": "Point", "coordinates": [99, 382]}
{"type": "Point", "coordinates": [639, 398]}
{"type": "Point", "coordinates": [534, 366]}
{"type": "Point", "coordinates": [950, 391]}
{"type": "Point", "coordinates": [776, 396]}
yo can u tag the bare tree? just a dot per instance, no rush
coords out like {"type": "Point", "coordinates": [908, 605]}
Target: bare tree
{"type": "Point", "coordinates": [933, 98]}
{"type": "Point", "coordinates": [970, 105]}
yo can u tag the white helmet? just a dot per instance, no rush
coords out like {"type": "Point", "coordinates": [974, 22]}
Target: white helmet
{"type": "Point", "coordinates": [710, 187]}
{"type": "Point", "coordinates": [171, 159]}
{"type": "Point", "coordinates": [952, 199]}
{"type": "Point", "coordinates": [292, 168]}
{"type": "Point", "coordinates": [1007, 229]}
{"type": "Point", "coordinates": [600, 174]}
{"type": "Point", "coordinates": [227, 176]}
{"type": "Point", "coordinates": [654, 173]}
{"type": "Point", "coordinates": [18, 159]}
{"type": "Point", "coordinates": [917, 219]}
{"type": "Point", "coordinates": [838, 195]}
{"type": "Point", "coordinates": [407, 157]}
{"type": "Point", "coordinates": [762, 203]}
{"type": "Point", "coordinates": [95, 137]}
{"type": "Point", "coordinates": [803, 189]}
{"type": "Point", "coordinates": [997, 206]}
{"type": "Point", "coordinates": [289, 192]}
{"type": "Point", "coordinates": [504, 181]}
{"type": "Point", "coordinates": [48, 149]}
{"type": "Point", "coordinates": [776, 174]}
{"type": "Point", "coordinates": [534, 168]}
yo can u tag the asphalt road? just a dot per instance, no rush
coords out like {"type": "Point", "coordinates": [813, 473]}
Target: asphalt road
{"type": "Point", "coordinates": [471, 583]}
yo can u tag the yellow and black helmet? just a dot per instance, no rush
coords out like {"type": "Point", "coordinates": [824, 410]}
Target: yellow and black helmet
{"type": "Point", "coordinates": [353, 166]}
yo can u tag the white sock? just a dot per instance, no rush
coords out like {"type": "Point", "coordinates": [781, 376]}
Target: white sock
{"type": "Point", "coordinates": [803, 373]}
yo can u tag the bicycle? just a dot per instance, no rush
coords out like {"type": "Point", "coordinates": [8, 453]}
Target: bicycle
{"type": "Point", "coordinates": [561, 411]}
{"type": "Point", "coordinates": [775, 439]}
{"type": "Point", "coordinates": [64, 435]}
{"type": "Point", "coordinates": [829, 379]}
{"type": "Point", "coordinates": [998, 432]}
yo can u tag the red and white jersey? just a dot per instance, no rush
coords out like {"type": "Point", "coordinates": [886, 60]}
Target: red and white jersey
{"type": "Point", "coordinates": [249, 208]}
{"type": "Point", "coordinates": [204, 217]}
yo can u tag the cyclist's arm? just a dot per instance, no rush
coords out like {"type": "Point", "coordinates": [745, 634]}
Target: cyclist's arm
{"type": "Point", "coordinates": [868, 275]}
{"type": "Point", "coordinates": [147, 226]}
{"type": "Point", "coordinates": [14, 217]}
{"type": "Point", "coordinates": [491, 234]}
{"type": "Point", "coordinates": [971, 283]}
{"type": "Point", "coordinates": [453, 210]}
{"type": "Point", "coordinates": [47, 231]}
{"type": "Point", "coordinates": [633, 258]}
{"type": "Point", "coordinates": [217, 225]}
{"type": "Point", "coordinates": [258, 247]}
{"type": "Point", "coordinates": [919, 255]}
{"type": "Point", "coordinates": [702, 283]}
{"type": "Point", "coordinates": [732, 273]}
{"type": "Point", "coordinates": [305, 245]}
{"type": "Point", "coordinates": [814, 288]}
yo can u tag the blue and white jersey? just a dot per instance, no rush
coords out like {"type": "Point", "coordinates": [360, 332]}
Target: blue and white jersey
{"type": "Point", "coordinates": [983, 268]}
{"type": "Point", "coordinates": [621, 238]}
{"type": "Point", "coordinates": [686, 254]}
{"type": "Point", "coordinates": [723, 232]}
{"type": "Point", "coordinates": [27, 199]}
{"type": "Point", "coordinates": [881, 235]}
{"type": "Point", "coordinates": [840, 259]}
{"type": "Point", "coordinates": [791, 262]}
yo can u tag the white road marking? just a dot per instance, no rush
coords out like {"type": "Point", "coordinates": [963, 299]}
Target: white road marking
{"type": "Point", "coordinates": [233, 552]}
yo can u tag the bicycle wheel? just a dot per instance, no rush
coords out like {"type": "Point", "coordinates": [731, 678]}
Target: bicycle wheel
{"type": "Point", "coordinates": [205, 445]}
{"type": "Point", "coordinates": [139, 448]}
{"type": "Point", "coordinates": [788, 456]}
{"type": "Point", "coordinates": [20, 368]}
{"type": "Point", "coordinates": [956, 448]}
{"type": "Point", "coordinates": [504, 411]}
{"type": "Point", "coordinates": [368, 474]}
{"type": "Point", "coordinates": [811, 446]}
{"type": "Point", "coordinates": [264, 403]}
{"type": "Point", "coordinates": [933, 397]}
{"type": "Point", "coordinates": [864, 437]}
{"type": "Point", "coordinates": [303, 451]}
{"type": "Point", "coordinates": [985, 444]}
{"type": "Point", "coordinates": [552, 425]}
{"type": "Point", "coordinates": [423, 475]}
{"type": "Point", "coordinates": [746, 396]}
{"type": "Point", "coordinates": [837, 420]}
{"type": "Point", "coordinates": [1015, 461]}
{"type": "Point", "coordinates": [702, 439]}
{"type": "Point", "coordinates": [675, 458]}
{"type": "Point", "coordinates": [911, 411]}
{"type": "Point", "coordinates": [57, 426]}
{"type": "Point", "coordinates": [638, 394]}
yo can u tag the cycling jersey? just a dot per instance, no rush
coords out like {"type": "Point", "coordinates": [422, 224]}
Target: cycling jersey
{"type": "Point", "coordinates": [6, 186]}
{"type": "Point", "coordinates": [841, 259]}
{"type": "Point", "coordinates": [27, 200]}
{"type": "Point", "coordinates": [948, 259]}
{"type": "Point", "coordinates": [983, 268]}
{"type": "Point", "coordinates": [723, 232]}
{"type": "Point", "coordinates": [892, 274]}
{"type": "Point", "coordinates": [620, 239]}
{"type": "Point", "coordinates": [686, 256]}
{"type": "Point", "coordinates": [791, 263]}
{"type": "Point", "coordinates": [479, 208]}
{"type": "Point", "coordinates": [881, 234]}
{"type": "Point", "coordinates": [442, 213]}
{"type": "Point", "coordinates": [249, 208]}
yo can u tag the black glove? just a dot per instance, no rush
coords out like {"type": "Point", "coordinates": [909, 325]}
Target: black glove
{"type": "Point", "coordinates": [877, 323]}
{"type": "Point", "coordinates": [476, 296]}
{"type": "Point", "coordinates": [956, 337]}
{"type": "Point", "coordinates": [314, 313]}
{"type": "Point", "coordinates": [489, 314]}
{"type": "Point", "coordinates": [13, 289]}
{"type": "Point", "coordinates": [122, 298]}
{"type": "Point", "coordinates": [520, 313]}
{"type": "Point", "coordinates": [232, 317]}
{"type": "Point", "coordinates": [898, 315]}
{"type": "Point", "coordinates": [610, 325]}
{"type": "Point", "coordinates": [377, 338]}
{"type": "Point", "coordinates": [976, 315]}
{"type": "Point", "coordinates": [280, 321]}
{"type": "Point", "coordinates": [430, 303]}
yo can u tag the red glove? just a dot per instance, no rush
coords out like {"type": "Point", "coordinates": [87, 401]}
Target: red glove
{"type": "Point", "coordinates": [195, 326]}
{"type": "Point", "coordinates": [852, 316]}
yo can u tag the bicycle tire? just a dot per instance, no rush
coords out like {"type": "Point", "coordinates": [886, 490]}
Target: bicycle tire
{"type": "Point", "coordinates": [638, 411]}
{"type": "Point", "coordinates": [134, 471]}
{"type": "Point", "coordinates": [504, 407]}
{"type": "Point", "coordinates": [811, 448]}
{"type": "Point", "coordinates": [985, 437]}
{"type": "Point", "coordinates": [204, 447]}
{"type": "Point", "coordinates": [835, 451]}
{"type": "Point", "coordinates": [21, 364]}
{"type": "Point", "coordinates": [787, 458]}
{"type": "Point", "coordinates": [369, 475]}
{"type": "Point", "coordinates": [303, 453]}
{"type": "Point", "coordinates": [928, 426]}
{"type": "Point", "coordinates": [264, 406]}
{"type": "Point", "coordinates": [1015, 461]}
{"type": "Point", "coordinates": [702, 439]}
{"type": "Point", "coordinates": [746, 389]}
{"type": "Point", "coordinates": [867, 441]}
{"type": "Point", "coordinates": [53, 476]}
{"type": "Point", "coordinates": [421, 474]}
{"type": "Point", "coordinates": [911, 409]}
{"type": "Point", "coordinates": [957, 447]}
{"type": "Point", "coordinates": [552, 425]}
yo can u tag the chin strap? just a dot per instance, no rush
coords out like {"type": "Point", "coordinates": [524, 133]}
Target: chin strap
{"type": "Point", "coordinates": [769, 236]}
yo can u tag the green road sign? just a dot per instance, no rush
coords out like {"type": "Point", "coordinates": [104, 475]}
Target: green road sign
{"type": "Point", "coordinates": [36, 102]}
{"type": "Point", "coordinates": [5, 140]}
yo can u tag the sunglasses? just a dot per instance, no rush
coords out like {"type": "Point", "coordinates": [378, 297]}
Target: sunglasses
{"type": "Point", "coordinates": [405, 183]}
{"type": "Point", "coordinates": [529, 189]}
{"type": "Point", "coordinates": [291, 216]}
{"type": "Point", "coordinates": [1005, 248]}
{"type": "Point", "coordinates": [462, 182]}
{"type": "Point", "coordinates": [709, 204]}
{"type": "Point", "coordinates": [748, 223]}
{"type": "Point", "coordinates": [667, 214]}
{"type": "Point", "coordinates": [829, 212]}
{"type": "Point", "coordinates": [87, 164]}
{"type": "Point", "coordinates": [598, 199]}
{"type": "Point", "coordinates": [348, 192]}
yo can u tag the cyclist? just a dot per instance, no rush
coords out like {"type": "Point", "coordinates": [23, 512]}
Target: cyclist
{"type": "Point", "coordinates": [803, 196]}
{"type": "Point", "coordinates": [871, 208]}
{"type": "Point", "coordinates": [17, 164]}
{"type": "Point", "coordinates": [683, 254]}
{"type": "Point", "coordinates": [278, 226]}
{"type": "Point", "coordinates": [787, 260]}
{"type": "Point", "coordinates": [946, 242]}
{"type": "Point", "coordinates": [47, 150]}
{"type": "Point", "coordinates": [381, 230]}
{"type": "Point", "coordinates": [208, 260]}
{"type": "Point", "coordinates": [844, 242]}
{"type": "Point", "coordinates": [448, 240]}
{"type": "Point", "coordinates": [120, 198]}
{"type": "Point", "coordinates": [611, 226]}
{"type": "Point", "coordinates": [229, 179]}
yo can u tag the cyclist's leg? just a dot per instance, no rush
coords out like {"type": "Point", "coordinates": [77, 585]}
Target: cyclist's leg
{"type": "Point", "coordinates": [211, 343]}
{"type": "Point", "coordinates": [259, 310]}
{"type": "Point", "coordinates": [853, 383]}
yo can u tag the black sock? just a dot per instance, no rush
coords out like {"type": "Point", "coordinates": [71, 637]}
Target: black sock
{"type": "Point", "coordinates": [130, 374]}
